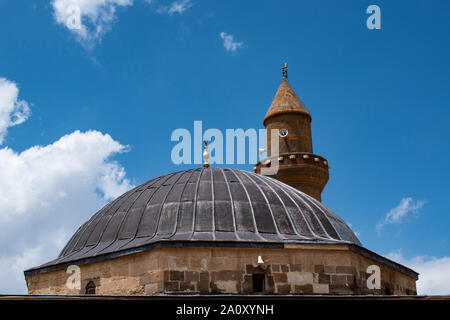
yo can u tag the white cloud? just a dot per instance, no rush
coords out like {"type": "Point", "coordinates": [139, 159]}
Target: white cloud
{"type": "Point", "coordinates": [49, 191]}
{"type": "Point", "coordinates": [89, 20]}
{"type": "Point", "coordinates": [229, 43]}
{"type": "Point", "coordinates": [178, 6]}
{"type": "Point", "coordinates": [434, 273]}
{"type": "Point", "coordinates": [12, 110]}
{"type": "Point", "coordinates": [397, 214]}
{"type": "Point", "coordinates": [37, 177]}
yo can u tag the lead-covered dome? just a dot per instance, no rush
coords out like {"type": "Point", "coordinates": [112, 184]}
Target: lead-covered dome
{"type": "Point", "coordinates": [212, 206]}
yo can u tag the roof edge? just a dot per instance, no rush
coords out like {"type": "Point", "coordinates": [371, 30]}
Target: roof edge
{"type": "Point", "coordinates": [155, 245]}
{"type": "Point", "coordinates": [266, 245]}
{"type": "Point", "coordinates": [375, 256]}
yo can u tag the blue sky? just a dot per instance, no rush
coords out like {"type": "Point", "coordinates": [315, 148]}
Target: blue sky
{"type": "Point", "coordinates": [379, 100]}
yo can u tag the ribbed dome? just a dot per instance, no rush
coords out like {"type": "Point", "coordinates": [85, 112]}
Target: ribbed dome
{"type": "Point", "coordinates": [217, 206]}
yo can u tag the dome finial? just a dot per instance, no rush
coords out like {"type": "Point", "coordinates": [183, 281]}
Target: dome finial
{"type": "Point", "coordinates": [284, 70]}
{"type": "Point", "coordinates": [206, 155]}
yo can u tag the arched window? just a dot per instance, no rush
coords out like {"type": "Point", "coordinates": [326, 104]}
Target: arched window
{"type": "Point", "coordinates": [258, 278]}
{"type": "Point", "coordinates": [90, 288]}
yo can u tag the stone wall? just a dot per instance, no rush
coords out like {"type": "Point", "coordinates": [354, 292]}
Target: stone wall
{"type": "Point", "coordinates": [298, 269]}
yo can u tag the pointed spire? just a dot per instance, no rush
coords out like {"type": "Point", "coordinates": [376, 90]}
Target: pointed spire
{"type": "Point", "coordinates": [285, 100]}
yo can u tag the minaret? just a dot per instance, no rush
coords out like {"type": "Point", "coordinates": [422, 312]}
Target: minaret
{"type": "Point", "coordinates": [297, 165]}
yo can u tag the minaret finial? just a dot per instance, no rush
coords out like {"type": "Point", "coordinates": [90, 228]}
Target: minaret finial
{"type": "Point", "coordinates": [206, 155]}
{"type": "Point", "coordinates": [284, 70]}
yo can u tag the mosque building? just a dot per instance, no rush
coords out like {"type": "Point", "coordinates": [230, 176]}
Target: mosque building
{"type": "Point", "coordinates": [215, 230]}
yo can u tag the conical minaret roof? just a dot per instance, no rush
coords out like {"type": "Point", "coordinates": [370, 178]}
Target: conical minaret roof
{"type": "Point", "coordinates": [285, 102]}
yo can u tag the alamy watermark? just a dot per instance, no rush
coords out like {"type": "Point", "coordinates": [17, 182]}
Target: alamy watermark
{"type": "Point", "coordinates": [374, 20]}
{"type": "Point", "coordinates": [234, 146]}
{"type": "Point", "coordinates": [74, 280]}
{"type": "Point", "coordinates": [73, 21]}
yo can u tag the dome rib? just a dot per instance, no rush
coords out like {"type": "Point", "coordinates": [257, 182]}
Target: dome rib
{"type": "Point", "coordinates": [293, 196]}
{"type": "Point", "coordinates": [213, 206]}
{"type": "Point", "coordinates": [303, 218]}
{"type": "Point", "coordinates": [268, 206]}
{"type": "Point", "coordinates": [119, 227]}
{"type": "Point", "coordinates": [288, 215]}
{"type": "Point", "coordinates": [147, 201]}
{"type": "Point", "coordinates": [311, 217]}
{"type": "Point", "coordinates": [206, 205]}
{"type": "Point", "coordinates": [90, 225]}
{"type": "Point", "coordinates": [348, 236]}
{"type": "Point", "coordinates": [233, 214]}
{"type": "Point", "coordinates": [333, 229]}
{"type": "Point", "coordinates": [175, 228]}
{"type": "Point", "coordinates": [116, 228]}
{"type": "Point", "coordinates": [194, 214]}
{"type": "Point", "coordinates": [89, 248]}
{"type": "Point", "coordinates": [178, 176]}
{"type": "Point", "coordinates": [251, 207]}
{"type": "Point", "coordinates": [317, 217]}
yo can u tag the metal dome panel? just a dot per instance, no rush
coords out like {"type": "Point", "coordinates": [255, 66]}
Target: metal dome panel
{"type": "Point", "coordinates": [214, 205]}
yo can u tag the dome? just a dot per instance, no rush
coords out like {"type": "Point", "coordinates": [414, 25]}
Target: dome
{"type": "Point", "coordinates": [207, 206]}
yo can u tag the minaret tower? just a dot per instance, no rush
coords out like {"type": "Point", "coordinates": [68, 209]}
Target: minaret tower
{"type": "Point", "coordinates": [295, 164]}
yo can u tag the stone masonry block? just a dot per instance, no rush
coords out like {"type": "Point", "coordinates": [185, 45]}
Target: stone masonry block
{"type": "Point", "coordinates": [144, 279]}
{"type": "Point", "coordinates": [345, 269]}
{"type": "Point", "coordinates": [172, 286]}
{"type": "Point", "coordinates": [330, 269]}
{"type": "Point", "coordinates": [191, 276]}
{"type": "Point", "coordinates": [176, 276]}
{"type": "Point", "coordinates": [319, 269]}
{"type": "Point", "coordinates": [284, 288]}
{"type": "Point", "coordinates": [187, 286]}
{"type": "Point", "coordinates": [296, 267]}
{"type": "Point", "coordinates": [324, 278]}
{"type": "Point", "coordinates": [226, 275]}
{"type": "Point", "coordinates": [280, 277]}
{"type": "Point", "coordinates": [321, 288]}
{"type": "Point", "coordinates": [307, 288]}
{"type": "Point", "coordinates": [284, 268]}
{"type": "Point", "coordinates": [338, 279]}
